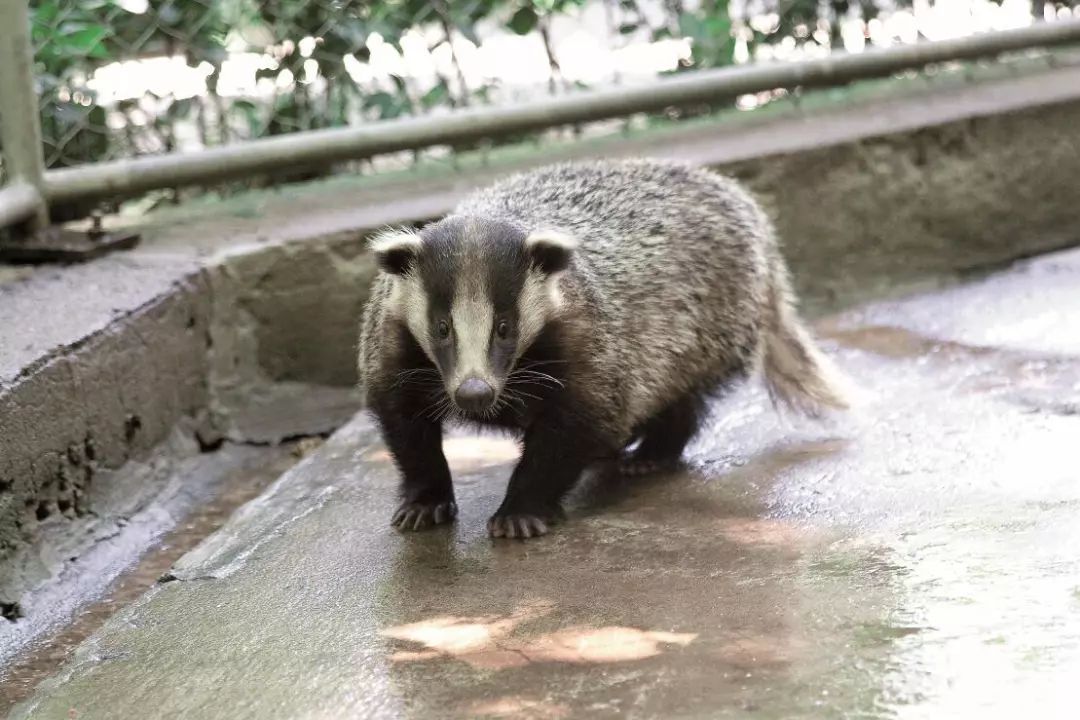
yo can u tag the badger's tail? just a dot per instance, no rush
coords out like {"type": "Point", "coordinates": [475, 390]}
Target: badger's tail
{"type": "Point", "coordinates": [797, 374]}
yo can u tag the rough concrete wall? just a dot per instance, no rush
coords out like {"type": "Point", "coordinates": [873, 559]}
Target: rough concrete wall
{"type": "Point", "coordinates": [305, 303]}
{"type": "Point", "coordinates": [285, 328]}
{"type": "Point", "coordinates": [112, 398]}
{"type": "Point", "coordinates": [861, 217]}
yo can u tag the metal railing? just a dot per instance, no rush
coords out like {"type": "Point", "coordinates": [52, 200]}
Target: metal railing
{"type": "Point", "coordinates": [23, 199]}
{"type": "Point", "coordinates": [31, 189]}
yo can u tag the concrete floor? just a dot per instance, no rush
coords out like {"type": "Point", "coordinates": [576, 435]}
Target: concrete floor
{"type": "Point", "coordinates": [917, 559]}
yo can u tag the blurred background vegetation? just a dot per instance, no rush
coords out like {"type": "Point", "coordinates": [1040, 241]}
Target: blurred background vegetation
{"type": "Point", "coordinates": [120, 78]}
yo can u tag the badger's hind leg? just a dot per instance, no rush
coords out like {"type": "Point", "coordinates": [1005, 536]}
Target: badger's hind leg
{"type": "Point", "coordinates": [664, 436]}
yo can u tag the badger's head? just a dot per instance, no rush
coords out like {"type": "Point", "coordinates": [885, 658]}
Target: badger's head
{"type": "Point", "coordinates": [474, 294]}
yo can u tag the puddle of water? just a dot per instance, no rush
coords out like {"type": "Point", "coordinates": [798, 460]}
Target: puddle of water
{"type": "Point", "coordinates": [44, 657]}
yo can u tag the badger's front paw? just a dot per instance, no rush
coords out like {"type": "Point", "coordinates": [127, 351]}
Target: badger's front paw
{"type": "Point", "coordinates": [420, 515]}
{"type": "Point", "coordinates": [517, 525]}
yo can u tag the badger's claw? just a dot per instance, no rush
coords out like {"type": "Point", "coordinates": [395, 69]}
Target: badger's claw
{"type": "Point", "coordinates": [420, 515]}
{"type": "Point", "coordinates": [517, 525]}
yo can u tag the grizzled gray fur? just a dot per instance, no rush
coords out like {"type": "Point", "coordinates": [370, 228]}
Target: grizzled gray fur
{"type": "Point", "coordinates": [587, 306]}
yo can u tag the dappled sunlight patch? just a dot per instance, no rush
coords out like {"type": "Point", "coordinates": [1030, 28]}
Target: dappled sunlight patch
{"type": "Point", "coordinates": [516, 706]}
{"type": "Point", "coordinates": [486, 642]}
{"type": "Point", "coordinates": [453, 635]}
{"type": "Point", "coordinates": [465, 454]}
{"type": "Point", "coordinates": [585, 645]}
{"type": "Point", "coordinates": [475, 639]}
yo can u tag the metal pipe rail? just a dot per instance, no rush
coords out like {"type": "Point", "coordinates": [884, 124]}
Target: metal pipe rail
{"type": "Point", "coordinates": [19, 202]}
{"type": "Point", "coordinates": [126, 178]}
{"type": "Point", "coordinates": [20, 125]}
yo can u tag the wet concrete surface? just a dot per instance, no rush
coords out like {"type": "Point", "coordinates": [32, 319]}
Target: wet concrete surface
{"type": "Point", "coordinates": [919, 558]}
{"type": "Point", "coordinates": [124, 513]}
{"type": "Point", "coordinates": [72, 619]}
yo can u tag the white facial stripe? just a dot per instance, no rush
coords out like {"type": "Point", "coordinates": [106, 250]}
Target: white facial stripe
{"type": "Point", "coordinates": [534, 304]}
{"type": "Point", "coordinates": [473, 318]}
{"type": "Point", "coordinates": [408, 301]}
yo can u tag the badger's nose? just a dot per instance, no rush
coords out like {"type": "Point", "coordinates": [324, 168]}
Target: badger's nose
{"type": "Point", "coordinates": [474, 395]}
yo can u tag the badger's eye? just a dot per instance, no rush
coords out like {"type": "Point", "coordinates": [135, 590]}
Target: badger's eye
{"type": "Point", "coordinates": [443, 329]}
{"type": "Point", "coordinates": [502, 329]}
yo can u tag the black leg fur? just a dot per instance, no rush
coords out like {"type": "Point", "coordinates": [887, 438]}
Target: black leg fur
{"type": "Point", "coordinates": [555, 455]}
{"type": "Point", "coordinates": [415, 442]}
{"type": "Point", "coordinates": [665, 436]}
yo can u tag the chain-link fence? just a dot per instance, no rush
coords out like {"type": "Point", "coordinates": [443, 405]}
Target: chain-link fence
{"type": "Point", "coordinates": [122, 78]}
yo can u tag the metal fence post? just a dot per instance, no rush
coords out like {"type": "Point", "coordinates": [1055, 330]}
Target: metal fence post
{"type": "Point", "coordinates": [20, 123]}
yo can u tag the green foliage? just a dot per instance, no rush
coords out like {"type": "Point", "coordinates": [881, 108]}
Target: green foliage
{"type": "Point", "coordinates": [65, 32]}
{"type": "Point", "coordinates": [524, 21]}
{"type": "Point", "coordinates": [709, 30]}
{"type": "Point", "coordinates": [74, 37]}
{"type": "Point", "coordinates": [69, 36]}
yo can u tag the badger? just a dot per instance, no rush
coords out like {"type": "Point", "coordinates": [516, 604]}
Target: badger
{"type": "Point", "coordinates": [592, 309]}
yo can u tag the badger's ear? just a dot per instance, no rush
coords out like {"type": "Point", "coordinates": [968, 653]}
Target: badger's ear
{"type": "Point", "coordinates": [396, 250]}
{"type": "Point", "coordinates": [550, 250]}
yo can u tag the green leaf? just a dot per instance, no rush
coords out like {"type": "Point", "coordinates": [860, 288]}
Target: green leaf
{"type": "Point", "coordinates": [70, 27]}
{"type": "Point", "coordinates": [181, 108]}
{"type": "Point", "coordinates": [710, 33]}
{"type": "Point", "coordinates": [250, 112]}
{"type": "Point", "coordinates": [483, 93]}
{"type": "Point", "coordinates": [524, 21]}
{"type": "Point", "coordinates": [628, 28]}
{"type": "Point", "coordinates": [86, 41]}
{"type": "Point", "coordinates": [45, 12]}
{"type": "Point", "coordinates": [388, 105]}
{"type": "Point", "coordinates": [690, 25]}
{"type": "Point", "coordinates": [378, 99]}
{"type": "Point", "coordinates": [435, 96]}
{"type": "Point", "coordinates": [718, 26]}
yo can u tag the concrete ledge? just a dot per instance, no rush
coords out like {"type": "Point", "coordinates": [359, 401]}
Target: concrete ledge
{"type": "Point", "coordinates": [94, 404]}
{"type": "Point", "coordinates": [233, 311]}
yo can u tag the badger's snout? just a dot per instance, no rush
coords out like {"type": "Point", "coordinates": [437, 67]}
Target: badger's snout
{"type": "Point", "coordinates": [474, 395]}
